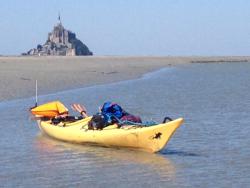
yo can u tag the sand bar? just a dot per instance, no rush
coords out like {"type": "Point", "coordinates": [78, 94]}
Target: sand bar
{"type": "Point", "coordinates": [18, 74]}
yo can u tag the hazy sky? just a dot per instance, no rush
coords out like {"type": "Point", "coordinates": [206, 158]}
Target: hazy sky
{"type": "Point", "coordinates": [131, 27]}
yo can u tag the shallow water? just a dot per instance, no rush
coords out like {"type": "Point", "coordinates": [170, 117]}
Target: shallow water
{"type": "Point", "coordinates": [211, 149]}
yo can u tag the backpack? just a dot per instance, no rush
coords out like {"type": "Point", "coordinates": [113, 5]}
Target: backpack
{"type": "Point", "coordinates": [112, 112]}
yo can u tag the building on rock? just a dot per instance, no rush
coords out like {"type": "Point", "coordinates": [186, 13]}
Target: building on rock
{"type": "Point", "coordinates": [60, 42]}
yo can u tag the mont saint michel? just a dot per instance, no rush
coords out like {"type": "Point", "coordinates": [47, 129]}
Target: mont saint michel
{"type": "Point", "coordinates": [60, 42]}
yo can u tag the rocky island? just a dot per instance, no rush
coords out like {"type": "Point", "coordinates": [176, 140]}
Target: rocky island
{"type": "Point", "coordinates": [60, 42]}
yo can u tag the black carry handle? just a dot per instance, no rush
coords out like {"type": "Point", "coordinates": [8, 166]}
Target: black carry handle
{"type": "Point", "coordinates": [167, 119]}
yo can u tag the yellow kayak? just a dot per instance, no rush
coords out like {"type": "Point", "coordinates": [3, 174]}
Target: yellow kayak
{"type": "Point", "coordinates": [151, 139]}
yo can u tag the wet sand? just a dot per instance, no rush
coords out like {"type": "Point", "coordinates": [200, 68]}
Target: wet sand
{"type": "Point", "coordinates": [18, 74]}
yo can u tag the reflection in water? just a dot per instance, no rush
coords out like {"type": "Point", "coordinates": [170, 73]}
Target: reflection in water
{"type": "Point", "coordinates": [95, 155]}
{"type": "Point", "coordinates": [179, 153]}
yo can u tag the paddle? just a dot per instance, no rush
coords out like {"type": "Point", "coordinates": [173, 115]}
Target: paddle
{"type": "Point", "coordinates": [80, 108]}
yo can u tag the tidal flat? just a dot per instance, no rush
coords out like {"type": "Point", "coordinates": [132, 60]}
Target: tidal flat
{"type": "Point", "coordinates": [18, 74]}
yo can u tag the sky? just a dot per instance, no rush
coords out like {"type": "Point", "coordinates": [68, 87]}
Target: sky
{"type": "Point", "coordinates": [131, 27]}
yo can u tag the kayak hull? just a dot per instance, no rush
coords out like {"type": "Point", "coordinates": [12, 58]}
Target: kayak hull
{"type": "Point", "coordinates": [151, 139]}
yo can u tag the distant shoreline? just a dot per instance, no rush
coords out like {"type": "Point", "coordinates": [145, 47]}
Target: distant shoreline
{"type": "Point", "coordinates": [191, 59]}
{"type": "Point", "coordinates": [58, 73]}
